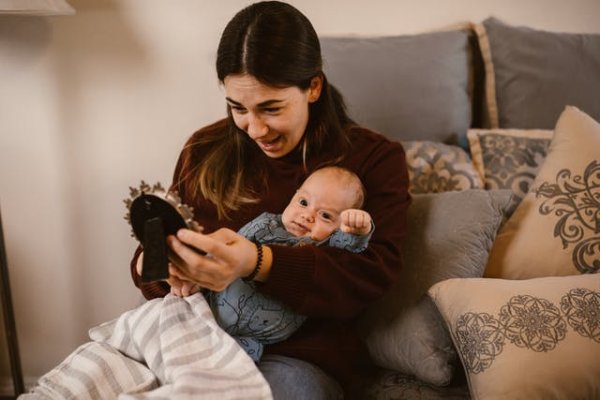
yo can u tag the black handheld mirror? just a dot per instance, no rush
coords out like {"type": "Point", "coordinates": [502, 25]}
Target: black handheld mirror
{"type": "Point", "coordinates": [155, 213]}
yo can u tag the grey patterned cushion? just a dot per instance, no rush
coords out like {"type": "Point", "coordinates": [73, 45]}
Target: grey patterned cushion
{"type": "Point", "coordinates": [531, 339]}
{"type": "Point", "coordinates": [390, 385]}
{"type": "Point", "coordinates": [509, 158]}
{"type": "Point", "coordinates": [435, 167]}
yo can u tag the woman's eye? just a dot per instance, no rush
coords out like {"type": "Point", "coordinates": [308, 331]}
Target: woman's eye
{"type": "Point", "coordinates": [238, 110]}
{"type": "Point", "coordinates": [272, 110]}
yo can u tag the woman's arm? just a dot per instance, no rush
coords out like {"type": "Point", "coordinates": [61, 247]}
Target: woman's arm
{"type": "Point", "coordinates": [328, 282]}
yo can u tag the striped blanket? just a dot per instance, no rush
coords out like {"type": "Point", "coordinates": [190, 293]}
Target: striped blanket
{"type": "Point", "coordinates": [169, 348]}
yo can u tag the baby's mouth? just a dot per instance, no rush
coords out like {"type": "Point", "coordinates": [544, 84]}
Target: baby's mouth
{"type": "Point", "coordinates": [300, 229]}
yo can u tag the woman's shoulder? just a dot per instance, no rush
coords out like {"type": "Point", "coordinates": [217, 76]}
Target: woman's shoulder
{"type": "Point", "coordinates": [365, 139]}
{"type": "Point", "coordinates": [372, 151]}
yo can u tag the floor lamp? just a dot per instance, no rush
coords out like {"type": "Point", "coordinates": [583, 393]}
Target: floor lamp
{"type": "Point", "coordinates": [9, 320]}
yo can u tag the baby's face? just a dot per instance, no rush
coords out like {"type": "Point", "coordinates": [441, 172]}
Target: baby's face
{"type": "Point", "coordinates": [316, 207]}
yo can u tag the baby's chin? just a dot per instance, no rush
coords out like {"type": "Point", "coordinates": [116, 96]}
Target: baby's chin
{"type": "Point", "coordinates": [296, 229]}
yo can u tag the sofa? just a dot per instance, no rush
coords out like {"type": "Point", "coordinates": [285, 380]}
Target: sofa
{"type": "Point", "coordinates": [499, 295]}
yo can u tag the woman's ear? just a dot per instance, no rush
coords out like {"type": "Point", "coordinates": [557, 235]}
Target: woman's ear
{"type": "Point", "coordinates": [314, 91]}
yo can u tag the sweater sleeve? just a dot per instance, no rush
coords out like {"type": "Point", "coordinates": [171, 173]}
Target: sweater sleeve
{"type": "Point", "coordinates": [150, 290]}
{"type": "Point", "coordinates": [349, 241]}
{"type": "Point", "coordinates": [327, 282]}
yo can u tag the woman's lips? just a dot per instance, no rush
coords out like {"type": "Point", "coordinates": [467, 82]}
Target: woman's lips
{"type": "Point", "coordinates": [270, 145]}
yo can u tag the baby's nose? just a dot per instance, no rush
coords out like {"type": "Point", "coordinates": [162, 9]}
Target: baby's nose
{"type": "Point", "coordinates": [309, 217]}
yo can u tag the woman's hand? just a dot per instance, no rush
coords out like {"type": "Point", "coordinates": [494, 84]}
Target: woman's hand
{"type": "Point", "coordinates": [229, 256]}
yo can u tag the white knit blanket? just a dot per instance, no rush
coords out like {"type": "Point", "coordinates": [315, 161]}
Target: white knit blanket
{"type": "Point", "coordinates": [169, 348]}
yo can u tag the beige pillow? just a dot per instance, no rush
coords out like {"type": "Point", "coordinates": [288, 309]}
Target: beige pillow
{"type": "Point", "coordinates": [555, 230]}
{"type": "Point", "coordinates": [530, 339]}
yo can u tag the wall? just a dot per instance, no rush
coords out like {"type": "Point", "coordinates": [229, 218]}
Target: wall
{"type": "Point", "coordinates": [92, 103]}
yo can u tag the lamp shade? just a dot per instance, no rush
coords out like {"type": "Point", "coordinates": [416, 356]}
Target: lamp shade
{"type": "Point", "coordinates": [35, 7]}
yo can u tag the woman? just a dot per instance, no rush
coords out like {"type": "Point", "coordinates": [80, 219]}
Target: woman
{"type": "Point", "coordinates": [284, 121]}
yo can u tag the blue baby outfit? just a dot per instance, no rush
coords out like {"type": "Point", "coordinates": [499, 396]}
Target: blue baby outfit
{"type": "Point", "coordinates": [252, 318]}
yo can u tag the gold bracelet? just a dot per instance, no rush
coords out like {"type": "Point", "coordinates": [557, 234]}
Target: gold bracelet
{"type": "Point", "coordinates": [259, 257]}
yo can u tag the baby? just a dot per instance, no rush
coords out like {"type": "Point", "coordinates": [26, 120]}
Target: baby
{"type": "Point", "coordinates": [325, 210]}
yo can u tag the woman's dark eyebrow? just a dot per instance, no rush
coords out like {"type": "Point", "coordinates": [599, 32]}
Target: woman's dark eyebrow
{"type": "Point", "coordinates": [266, 103]}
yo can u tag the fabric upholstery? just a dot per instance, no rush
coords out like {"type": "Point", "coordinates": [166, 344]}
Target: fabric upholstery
{"type": "Point", "coordinates": [410, 87]}
{"type": "Point", "coordinates": [531, 75]}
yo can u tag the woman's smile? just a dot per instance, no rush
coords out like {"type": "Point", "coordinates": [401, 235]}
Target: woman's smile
{"type": "Point", "coordinates": [271, 145]}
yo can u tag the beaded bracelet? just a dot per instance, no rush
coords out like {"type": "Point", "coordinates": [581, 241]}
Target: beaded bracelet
{"type": "Point", "coordinates": [259, 257]}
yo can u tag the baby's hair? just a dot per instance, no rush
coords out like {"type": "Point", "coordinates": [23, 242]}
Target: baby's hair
{"type": "Point", "coordinates": [350, 179]}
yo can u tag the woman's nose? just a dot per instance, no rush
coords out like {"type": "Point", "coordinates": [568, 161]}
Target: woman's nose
{"type": "Point", "coordinates": [256, 127]}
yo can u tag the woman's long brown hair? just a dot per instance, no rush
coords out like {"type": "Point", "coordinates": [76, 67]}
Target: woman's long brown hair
{"type": "Point", "coordinates": [275, 43]}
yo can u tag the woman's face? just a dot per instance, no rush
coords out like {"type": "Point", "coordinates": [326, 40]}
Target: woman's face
{"type": "Point", "coordinates": [275, 118]}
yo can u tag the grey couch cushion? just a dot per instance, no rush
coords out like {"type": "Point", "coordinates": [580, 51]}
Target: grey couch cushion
{"type": "Point", "coordinates": [411, 87]}
{"type": "Point", "coordinates": [532, 74]}
{"type": "Point", "coordinates": [450, 235]}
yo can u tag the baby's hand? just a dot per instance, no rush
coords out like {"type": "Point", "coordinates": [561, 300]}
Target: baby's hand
{"type": "Point", "coordinates": [357, 222]}
{"type": "Point", "coordinates": [181, 288]}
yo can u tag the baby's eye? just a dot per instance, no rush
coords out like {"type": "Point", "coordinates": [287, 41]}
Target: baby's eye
{"type": "Point", "coordinates": [326, 216]}
{"type": "Point", "coordinates": [303, 202]}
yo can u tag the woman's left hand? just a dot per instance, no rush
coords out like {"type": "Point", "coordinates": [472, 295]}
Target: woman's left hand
{"type": "Point", "coordinates": [229, 256]}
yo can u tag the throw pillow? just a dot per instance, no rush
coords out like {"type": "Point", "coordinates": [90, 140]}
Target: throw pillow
{"type": "Point", "coordinates": [555, 230]}
{"type": "Point", "coordinates": [530, 339]}
{"type": "Point", "coordinates": [509, 158]}
{"type": "Point", "coordinates": [531, 75]}
{"type": "Point", "coordinates": [409, 87]}
{"type": "Point", "coordinates": [435, 167]}
{"type": "Point", "coordinates": [450, 235]}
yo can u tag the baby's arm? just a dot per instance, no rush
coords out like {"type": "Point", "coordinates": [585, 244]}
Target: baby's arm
{"type": "Point", "coordinates": [355, 221]}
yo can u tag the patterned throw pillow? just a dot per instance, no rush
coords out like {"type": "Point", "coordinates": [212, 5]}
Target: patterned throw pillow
{"type": "Point", "coordinates": [435, 167]}
{"type": "Point", "coordinates": [555, 230]}
{"type": "Point", "coordinates": [509, 158]}
{"type": "Point", "coordinates": [525, 339]}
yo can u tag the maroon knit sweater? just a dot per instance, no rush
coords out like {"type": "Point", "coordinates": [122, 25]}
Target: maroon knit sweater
{"type": "Point", "coordinates": [328, 285]}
